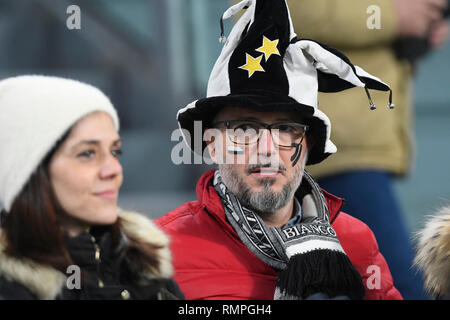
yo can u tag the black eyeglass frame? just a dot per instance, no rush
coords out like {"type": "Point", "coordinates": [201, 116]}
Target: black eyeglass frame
{"type": "Point", "coordinates": [228, 123]}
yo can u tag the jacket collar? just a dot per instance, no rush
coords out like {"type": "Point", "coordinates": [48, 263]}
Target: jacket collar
{"type": "Point", "coordinates": [210, 200]}
{"type": "Point", "coordinates": [46, 282]}
{"type": "Point", "coordinates": [85, 247]}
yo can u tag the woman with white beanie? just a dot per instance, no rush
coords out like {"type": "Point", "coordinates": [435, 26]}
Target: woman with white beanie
{"type": "Point", "coordinates": [62, 235]}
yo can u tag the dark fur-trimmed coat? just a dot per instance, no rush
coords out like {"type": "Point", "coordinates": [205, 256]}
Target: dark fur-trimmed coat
{"type": "Point", "coordinates": [27, 279]}
{"type": "Point", "coordinates": [433, 254]}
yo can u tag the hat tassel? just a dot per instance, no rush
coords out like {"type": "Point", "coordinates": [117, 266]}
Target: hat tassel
{"type": "Point", "coordinates": [244, 4]}
{"type": "Point", "coordinates": [390, 104]}
{"type": "Point", "coordinates": [372, 105]}
{"type": "Point", "coordinates": [222, 38]}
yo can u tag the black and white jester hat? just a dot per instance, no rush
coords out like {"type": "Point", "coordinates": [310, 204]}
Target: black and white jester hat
{"type": "Point", "coordinates": [264, 66]}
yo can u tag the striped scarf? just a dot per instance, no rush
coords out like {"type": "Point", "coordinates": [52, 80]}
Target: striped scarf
{"type": "Point", "coordinates": [307, 255]}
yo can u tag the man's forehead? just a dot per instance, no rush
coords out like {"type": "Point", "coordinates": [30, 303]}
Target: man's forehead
{"type": "Point", "coordinates": [235, 113]}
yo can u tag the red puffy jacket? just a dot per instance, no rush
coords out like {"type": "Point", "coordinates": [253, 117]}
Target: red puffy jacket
{"type": "Point", "coordinates": [211, 262]}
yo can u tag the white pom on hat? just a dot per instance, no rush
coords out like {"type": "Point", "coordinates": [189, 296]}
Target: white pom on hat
{"type": "Point", "coordinates": [35, 112]}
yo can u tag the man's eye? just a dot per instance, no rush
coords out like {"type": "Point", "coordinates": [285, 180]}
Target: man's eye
{"type": "Point", "coordinates": [286, 128]}
{"type": "Point", "coordinates": [245, 127]}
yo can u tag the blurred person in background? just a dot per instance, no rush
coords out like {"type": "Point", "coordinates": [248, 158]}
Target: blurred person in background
{"type": "Point", "coordinates": [373, 148]}
{"type": "Point", "coordinates": [433, 253]}
{"type": "Point", "coordinates": [60, 177]}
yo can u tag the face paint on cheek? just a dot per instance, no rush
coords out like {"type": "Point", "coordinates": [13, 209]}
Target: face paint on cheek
{"type": "Point", "coordinates": [235, 150]}
{"type": "Point", "coordinates": [298, 152]}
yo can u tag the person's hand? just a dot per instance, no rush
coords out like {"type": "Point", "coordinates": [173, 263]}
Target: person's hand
{"type": "Point", "coordinates": [415, 18]}
{"type": "Point", "coordinates": [438, 34]}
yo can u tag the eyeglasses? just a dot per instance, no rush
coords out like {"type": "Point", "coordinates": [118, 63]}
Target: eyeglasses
{"type": "Point", "coordinates": [245, 132]}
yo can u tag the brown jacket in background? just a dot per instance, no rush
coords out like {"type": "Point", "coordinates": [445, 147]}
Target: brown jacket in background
{"type": "Point", "coordinates": [379, 139]}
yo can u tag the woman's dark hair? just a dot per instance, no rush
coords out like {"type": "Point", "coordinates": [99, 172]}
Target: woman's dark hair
{"type": "Point", "coordinates": [30, 227]}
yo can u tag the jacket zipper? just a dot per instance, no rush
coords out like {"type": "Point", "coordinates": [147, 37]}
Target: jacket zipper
{"type": "Point", "coordinates": [97, 258]}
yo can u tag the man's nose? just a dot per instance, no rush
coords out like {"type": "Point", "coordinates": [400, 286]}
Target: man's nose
{"type": "Point", "coordinates": [266, 145]}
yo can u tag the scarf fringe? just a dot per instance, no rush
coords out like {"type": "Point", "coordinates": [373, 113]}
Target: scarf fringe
{"type": "Point", "coordinates": [320, 271]}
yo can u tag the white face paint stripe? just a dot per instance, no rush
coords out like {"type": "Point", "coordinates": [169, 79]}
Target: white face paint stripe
{"type": "Point", "coordinates": [235, 149]}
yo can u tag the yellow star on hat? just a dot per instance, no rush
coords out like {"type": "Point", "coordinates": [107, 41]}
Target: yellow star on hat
{"type": "Point", "coordinates": [269, 47]}
{"type": "Point", "coordinates": [252, 64]}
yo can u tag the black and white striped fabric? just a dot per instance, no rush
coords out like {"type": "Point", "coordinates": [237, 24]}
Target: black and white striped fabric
{"type": "Point", "coordinates": [279, 246]}
{"type": "Point", "coordinates": [276, 245]}
{"type": "Point", "coordinates": [265, 66]}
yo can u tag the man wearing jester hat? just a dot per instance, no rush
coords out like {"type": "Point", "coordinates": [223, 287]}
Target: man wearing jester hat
{"type": "Point", "coordinates": [261, 227]}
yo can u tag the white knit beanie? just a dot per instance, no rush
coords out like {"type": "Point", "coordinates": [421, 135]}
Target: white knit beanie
{"type": "Point", "coordinates": [35, 112]}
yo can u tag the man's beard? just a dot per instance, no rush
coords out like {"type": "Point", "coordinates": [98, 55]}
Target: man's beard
{"type": "Point", "coordinates": [264, 202]}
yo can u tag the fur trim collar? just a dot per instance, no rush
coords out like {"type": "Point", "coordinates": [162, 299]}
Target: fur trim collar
{"type": "Point", "coordinates": [143, 229]}
{"type": "Point", "coordinates": [433, 252]}
{"type": "Point", "coordinates": [46, 282]}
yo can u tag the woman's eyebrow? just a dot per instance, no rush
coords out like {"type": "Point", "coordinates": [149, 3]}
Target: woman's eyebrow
{"type": "Point", "coordinates": [91, 142]}
{"type": "Point", "coordinates": [116, 142]}
{"type": "Point", "coordinates": [96, 142]}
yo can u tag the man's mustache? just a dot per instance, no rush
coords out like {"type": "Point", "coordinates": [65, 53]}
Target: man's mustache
{"type": "Point", "coordinates": [253, 167]}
